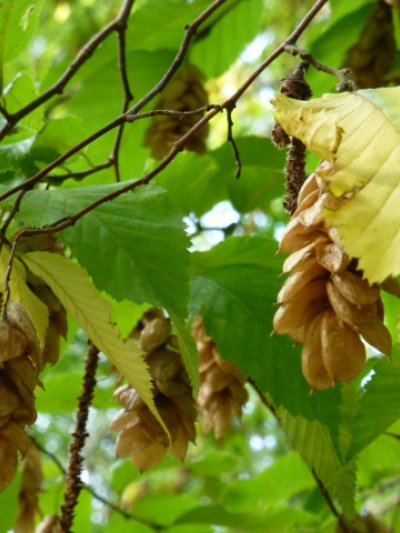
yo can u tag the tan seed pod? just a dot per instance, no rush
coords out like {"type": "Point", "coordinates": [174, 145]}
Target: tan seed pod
{"type": "Point", "coordinates": [155, 333]}
{"type": "Point", "coordinates": [292, 317]}
{"type": "Point", "coordinates": [377, 335]}
{"type": "Point", "coordinates": [307, 201]}
{"type": "Point", "coordinates": [297, 236]}
{"type": "Point", "coordinates": [332, 257]}
{"type": "Point", "coordinates": [13, 343]}
{"type": "Point", "coordinates": [311, 356]}
{"type": "Point", "coordinates": [314, 215]}
{"type": "Point", "coordinates": [343, 353]}
{"type": "Point", "coordinates": [312, 184]}
{"type": "Point", "coordinates": [307, 271]}
{"type": "Point", "coordinates": [19, 318]}
{"type": "Point", "coordinates": [297, 257]}
{"type": "Point", "coordinates": [350, 313]}
{"type": "Point", "coordinates": [358, 291]}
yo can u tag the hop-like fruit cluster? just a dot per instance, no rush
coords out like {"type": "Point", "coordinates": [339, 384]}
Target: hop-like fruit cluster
{"type": "Point", "coordinates": [325, 304]}
{"type": "Point", "coordinates": [185, 92]}
{"type": "Point", "coordinates": [19, 368]}
{"type": "Point", "coordinates": [141, 436]}
{"type": "Point", "coordinates": [21, 360]}
{"type": "Point", "coordinates": [222, 391]}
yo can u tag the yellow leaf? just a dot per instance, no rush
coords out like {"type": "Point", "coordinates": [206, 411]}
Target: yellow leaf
{"type": "Point", "coordinates": [20, 292]}
{"type": "Point", "coordinates": [359, 133]}
{"type": "Point", "coordinates": [364, 164]}
{"type": "Point", "coordinates": [92, 312]}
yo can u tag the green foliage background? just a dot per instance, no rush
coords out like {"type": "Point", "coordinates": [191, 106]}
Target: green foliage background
{"type": "Point", "coordinates": [135, 248]}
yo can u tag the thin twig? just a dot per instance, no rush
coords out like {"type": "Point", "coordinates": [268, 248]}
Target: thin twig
{"type": "Point", "coordinates": [180, 143]}
{"type": "Point", "coordinates": [164, 80]}
{"type": "Point", "coordinates": [342, 74]}
{"type": "Point", "coordinates": [77, 176]}
{"type": "Point", "coordinates": [232, 142]}
{"type": "Point", "coordinates": [80, 59]}
{"type": "Point", "coordinates": [114, 157]}
{"type": "Point", "coordinates": [88, 488]}
{"type": "Point", "coordinates": [73, 480]}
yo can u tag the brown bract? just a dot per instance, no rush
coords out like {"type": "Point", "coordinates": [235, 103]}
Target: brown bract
{"type": "Point", "coordinates": [141, 436]}
{"type": "Point", "coordinates": [185, 92]}
{"type": "Point", "coordinates": [325, 303]}
{"type": "Point", "coordinates": [222, 391]}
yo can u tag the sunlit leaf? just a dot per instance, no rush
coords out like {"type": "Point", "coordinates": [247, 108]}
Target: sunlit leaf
{"type": "Point", "coordinates": [359, 133]}
{"type": "Point", "coordinates": [73, 288]}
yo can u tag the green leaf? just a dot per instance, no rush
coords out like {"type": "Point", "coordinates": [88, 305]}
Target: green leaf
{"type": "Point", "coordinates": [314, 443]}
{"type": "Point", "coordinates": [227, 33]}
{"type": "Point", "coordinates": [19, 92]}
{"type": "Point", "coordinates": [234, 289]}
{"type": "Point", "coordinates": [379, 405]}
{"type": "Point", "coordinates": [193, 183]}
{"type": "Point", "coordinates": [18, 22]}
{"type": "Point", "coordinates": [134, 247]}
{"type": "Point", "coordinates": [188, 352]}
{"type": "Point", "coordinates": [249, 494]}
{"type": "Point", "coordinates": [171, 22]}
{"type": "Point", "coordinates": [91, 312]}
{"type": "Point", "coordinates": [8, 500]}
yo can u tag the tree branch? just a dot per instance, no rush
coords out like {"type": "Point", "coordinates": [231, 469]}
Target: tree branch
{"type": "Point", "coordinates": [342, 74]}
{"type": "Point", "coordinates": [111, 505]}
{"type": "Point", "coordinates": [73, 480]}
{"type": "Point", "coordinates": [80, 59]}
{"type": "Point", "coordinates": [114, 157]}
{"type": "Point", "coordinates": [178, 146]}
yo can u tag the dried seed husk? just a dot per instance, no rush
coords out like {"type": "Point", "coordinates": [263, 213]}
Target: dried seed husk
{"type": "Point", "coordinates": [358, 291]}
{"type": "Point", "coordinates": [350, 313]}
{"type": "Point", "coordinates": [312, 183]}
{"type": "Point", "coordinates": [297, 257]}
{"type": "Point", "coordinates": [292, 317]}
{"type": "Point", "coordinates": [377, 335]}
{"type": "Point", "coordinates": [343, 353]}
{"type": "Point", "coordinates": [313, 216]}
{"type": "Point", "coordinates": [19, 318]}
{"type": "Point", "coordinates": [164, 364]}
{"type": "Point", "coordinates": [13, 343]}
{"type": "Point", "coordinates": [297, 236]}
{"type": "Point", "coordinates": [155, 333]}
{"type": "Point", "coordinates": [306, 202]}
{"type": "Point", "coordinates": [8, 461]}
{"type": "Point", "coordinates": [145, 453]}
{"type": "Point", "coordinates": [311, 356]}
{"type": "Point", "coordinates": [332, 257]}
{"type": "Point", "coordinates": [308, 270]}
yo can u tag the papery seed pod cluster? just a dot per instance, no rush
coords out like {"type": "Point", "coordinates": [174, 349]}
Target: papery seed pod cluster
{"type": "Point", "coordinates": [185, 92]}
{"type": "Point", "coordinates": [141, 436]}
{"type": "Point", "coordinates": [21, 360]}
{"type": "Point", "coordinates": [222, 392]}
{"type": "Point", "coordinates": [325, 303]}
{"type": "Point", "coordinates": [28, 496]}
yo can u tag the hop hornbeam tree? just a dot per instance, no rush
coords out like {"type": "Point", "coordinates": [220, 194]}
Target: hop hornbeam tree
{"type": "Point", "coordinates": [157, 370]}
